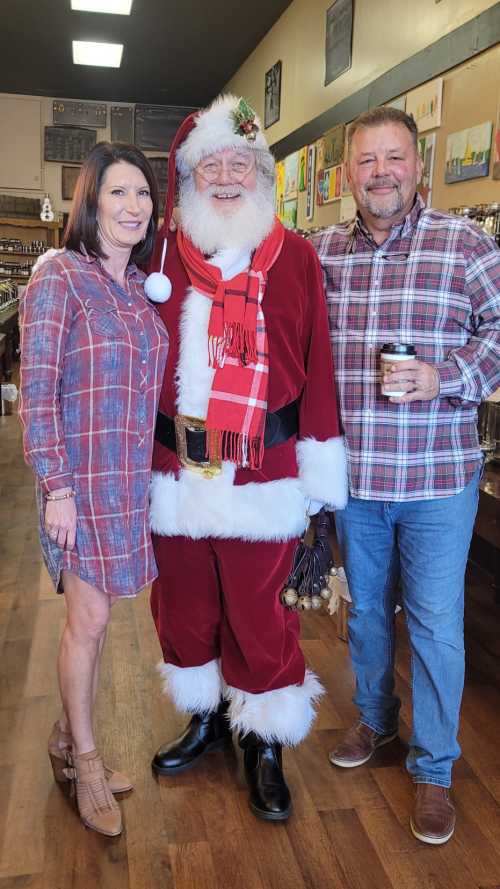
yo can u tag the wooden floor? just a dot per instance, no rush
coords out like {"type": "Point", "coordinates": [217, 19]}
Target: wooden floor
{"type": "Point", "coordinates": [349, 829]}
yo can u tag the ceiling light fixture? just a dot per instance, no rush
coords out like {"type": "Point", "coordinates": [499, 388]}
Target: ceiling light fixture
{"type": "Point", "coordinates": [107, 55]}
{"type": "Point", "coordinates": [113, 7]}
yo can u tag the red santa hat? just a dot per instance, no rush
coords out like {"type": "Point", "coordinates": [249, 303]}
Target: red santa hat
{"type": "Point", "coordinates": [229, 122]}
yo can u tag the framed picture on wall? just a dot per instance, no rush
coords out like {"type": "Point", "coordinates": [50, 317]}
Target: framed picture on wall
{"type": "Point", "coordinates": [160, 169]}
{"type": "Point", "coordinates": [338, 40]}
{"type": "Point", "coordinates": [69, 175]}
{"type": "Point", "coordinates": [272, 95]}
{"type": "Point", "coordinates": [468, 153]}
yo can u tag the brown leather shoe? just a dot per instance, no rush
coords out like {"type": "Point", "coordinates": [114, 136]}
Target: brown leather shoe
{"type": "Point", "coordinates": [59, 748]}
{"type": "Point", "coordinates": [96, 804]}
{"type": "Point", "coordinates": [433, 816]}
{"type": "Point", "coordinates": [358, 746]}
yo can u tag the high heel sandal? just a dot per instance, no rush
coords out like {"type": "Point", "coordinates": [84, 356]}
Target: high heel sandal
{"type": "Point", "coordinates": [60, 745]}
{"type": "Point", "coordinates": [97, 806]}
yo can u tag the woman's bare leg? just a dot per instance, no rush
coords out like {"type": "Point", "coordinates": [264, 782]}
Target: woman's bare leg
{"type": "Point", "coordinates": [80, 651]}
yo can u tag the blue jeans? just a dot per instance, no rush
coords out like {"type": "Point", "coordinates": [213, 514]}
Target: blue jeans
{"type": "Point", "coordinates": [423, 544]}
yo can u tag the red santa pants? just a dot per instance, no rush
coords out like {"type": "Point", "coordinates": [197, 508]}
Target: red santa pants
{"type": "Point", "coordinates": [220, 599]}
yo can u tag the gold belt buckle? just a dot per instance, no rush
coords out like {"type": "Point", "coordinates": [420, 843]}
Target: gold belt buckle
{"type": "Point", "coordinates": [208, 468]}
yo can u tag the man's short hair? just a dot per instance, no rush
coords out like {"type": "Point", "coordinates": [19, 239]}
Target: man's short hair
{"type": "Point", "coordinates": [376, 117]}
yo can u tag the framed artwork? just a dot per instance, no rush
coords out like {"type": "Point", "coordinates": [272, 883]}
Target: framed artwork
{"type": "Point", "coordinates": [160, 169]}
{"type": "Point", "coordinates": [424, 104]}
{"type": "Point", "coordinates": [280, 189]}
{"type": "Point", "coordinates": [334, 146]}
{"type": "Point", "coordinates": [311, 181]}
{"type": "Point", "coordinates": [468, 153]}
{"type": "Point", "coordinates": [329, 185]}
{"type": "Point", "coordinates": [272, 95]}
{"type": "Point", "coordinates": [302, 169]}
{"type": "Point", "coordinates": [427, 148]}
{"type": "Point", "coordinates": [291, 175]}
{"type": "Point", "coordinates": [290, 214]}
{"type": "Point", "coordinates": [69, 175]}
{"type": "Point", "coordinates": [496, 163]}
{"type": "Point", "coordinates": [338, 41]}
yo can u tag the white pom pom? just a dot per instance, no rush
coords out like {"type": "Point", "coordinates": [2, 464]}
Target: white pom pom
{"type": "Point", "coordinates": [158, 287]}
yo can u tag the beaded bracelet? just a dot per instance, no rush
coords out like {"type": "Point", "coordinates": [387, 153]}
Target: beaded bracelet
{"type": "Point", "coordinates": [62, 496]}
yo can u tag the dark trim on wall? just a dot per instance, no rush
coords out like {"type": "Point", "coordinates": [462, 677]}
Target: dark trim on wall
{"type": "Point", "coordinates": [460, 45]}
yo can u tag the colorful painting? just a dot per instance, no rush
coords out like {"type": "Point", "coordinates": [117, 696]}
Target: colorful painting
{"type": "Point", "coordinates": [289, 219]}
{"type": "Point", "coordinates": [280, 189]}
{"type": "Point", "coordinates": [468, 153]}
{"type": "Point", "coordinates": [425, 103]}
{"type": "Point", "coordinates": [311, 181]}
{"type": "Point", "coordinates": [320, 153]}
{"type": "Point", "coordinates": [427, 149]}
{"type": "Point", "coordinates": [303, 169]}
{"type": "Point", "coordinates": [329, 185]}
{"type": "Point", "coordinates": [334, 146]}
{"type": "Point", "coordinates": [291, 175]}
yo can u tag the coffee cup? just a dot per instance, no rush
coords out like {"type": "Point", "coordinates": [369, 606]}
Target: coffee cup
{"type": "Point", "coordinates": [392, 354]}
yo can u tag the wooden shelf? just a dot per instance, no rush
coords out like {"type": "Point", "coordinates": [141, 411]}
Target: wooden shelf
{"type": "Point", "coordinates": [20, 253]}
{"type": "Point", "coordinates": [30, 222]}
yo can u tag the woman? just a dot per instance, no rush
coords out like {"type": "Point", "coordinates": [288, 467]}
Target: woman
{"type": "Point", "coordinates": [93, 352]}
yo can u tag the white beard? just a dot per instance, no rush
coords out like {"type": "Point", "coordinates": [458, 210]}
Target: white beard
{"type": "Point", "coordinates": [210, 231]}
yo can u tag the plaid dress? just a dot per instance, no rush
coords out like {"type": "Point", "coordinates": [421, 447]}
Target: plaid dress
{"type": "Point", "coordinates": [92, 361]}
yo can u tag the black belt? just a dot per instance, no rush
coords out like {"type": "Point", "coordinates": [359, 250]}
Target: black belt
{"type": "Point", "coordinates": [280, 426]}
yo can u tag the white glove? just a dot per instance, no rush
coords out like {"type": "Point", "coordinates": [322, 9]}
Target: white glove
{"type": "Point", "coordinates": [49, 254]}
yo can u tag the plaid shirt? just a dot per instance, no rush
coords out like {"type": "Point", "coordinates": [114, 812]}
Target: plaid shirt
{"type": "Point", "coordinates": [92, 360]}
{"type": "Point", "coordinates": [435, 283]}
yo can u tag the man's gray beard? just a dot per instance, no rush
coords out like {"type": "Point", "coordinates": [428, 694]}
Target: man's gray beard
{"type": "Point", "coordinates": [380, 212]}
{"type": "Point", "coordinates": [210, 231]}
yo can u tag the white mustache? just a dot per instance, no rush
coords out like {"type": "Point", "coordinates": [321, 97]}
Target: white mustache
{"type": "Point", "coordinates": [232, 190]}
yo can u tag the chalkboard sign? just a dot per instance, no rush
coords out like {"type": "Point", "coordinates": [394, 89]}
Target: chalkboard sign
{"type": "Point", "coordinates": [122, 123]}
{"type": "Point", "coordinates": [78, 114]}
{"type": "Point", "coordinates": [156, 125]}
{"type": "Point", "coordinates": [68, 144]}
{"type": "Point", "coordinates": [338, 44]}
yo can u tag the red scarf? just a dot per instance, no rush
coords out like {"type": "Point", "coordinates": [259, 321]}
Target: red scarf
{"type": "Point", "coordinates": [237, 348]}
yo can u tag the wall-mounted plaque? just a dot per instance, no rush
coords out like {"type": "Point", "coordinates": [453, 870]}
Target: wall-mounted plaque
{"type": "Point", "coordinates": [122, 123]}
{"type": "Point", "coordinates": [338, 44]}
{"type": "Point", "coordinates": [272, 95]}
{"type": "Point", "coordinates": [156, 125]}
{"type": "Point", "coordinates": [78, 114]}
{"type": "Point", "coordinates": [68, 144]}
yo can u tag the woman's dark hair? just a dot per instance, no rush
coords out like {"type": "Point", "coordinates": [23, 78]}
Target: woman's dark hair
{"type": "Point", "coordinates": [81, 230]}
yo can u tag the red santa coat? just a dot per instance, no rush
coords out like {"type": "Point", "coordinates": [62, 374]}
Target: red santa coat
{"type": "Point", "coordinates": [270, 503]}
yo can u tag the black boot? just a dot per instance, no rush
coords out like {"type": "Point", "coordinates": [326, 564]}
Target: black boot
{"type": "Point", "coordinates": [269, 795]}
{"type": "Point", "coordinates": [205, 732]}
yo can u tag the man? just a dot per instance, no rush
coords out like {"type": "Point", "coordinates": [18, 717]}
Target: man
{"type": "Point", "coordinates": [403, 274]}
{"type": "Point", "coordinates": [250, 385]}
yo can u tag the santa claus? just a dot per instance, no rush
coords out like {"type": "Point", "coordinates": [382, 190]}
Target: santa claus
{"type": "Point", "coordinates": [247, 445]}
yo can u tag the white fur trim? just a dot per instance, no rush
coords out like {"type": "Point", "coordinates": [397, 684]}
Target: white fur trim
{"type": "Point", "coordinates": [323, 470]}
{"type": "Point", "coordinates": [194, 375]}
{"type": "Point", "coordinates": [214, 131]}
{"type": "Point", "coordinates": [197, 507]}
{"type": "Point", "coordinates": [282, 716]}
{"type": "Point", "coordinates": [193, 689]}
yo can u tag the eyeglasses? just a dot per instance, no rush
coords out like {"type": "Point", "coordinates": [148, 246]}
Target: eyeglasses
{"type": "Point", "coordinates": [237, 169]}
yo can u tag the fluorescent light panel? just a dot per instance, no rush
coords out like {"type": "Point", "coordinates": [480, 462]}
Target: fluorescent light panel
{"type": "Point", "coordinates": [106, 55]}
{"type": "Point", "coordinates": [113, 7]}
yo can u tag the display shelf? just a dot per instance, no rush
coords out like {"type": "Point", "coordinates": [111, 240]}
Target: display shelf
{"type": "Point", "coordinates": [30, 228]}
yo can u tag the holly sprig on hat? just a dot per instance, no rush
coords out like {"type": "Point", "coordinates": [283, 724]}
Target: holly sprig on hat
{"type": "Point", "coordinates": [244, 121]}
